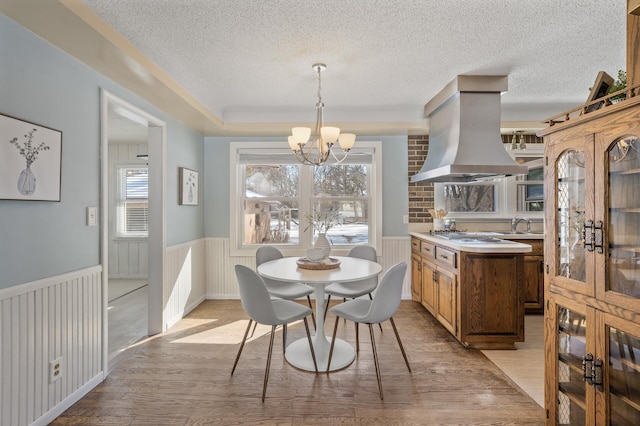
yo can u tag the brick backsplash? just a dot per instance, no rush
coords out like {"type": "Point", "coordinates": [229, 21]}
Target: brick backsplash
{"type": "Point", "coordinates": [421, 193]}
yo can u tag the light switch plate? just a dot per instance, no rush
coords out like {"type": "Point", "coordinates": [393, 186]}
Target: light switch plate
{"type": "Point", "coordinates": [92, 216]}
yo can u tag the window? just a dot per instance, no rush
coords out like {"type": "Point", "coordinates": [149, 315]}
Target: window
{"type": "Point", "coordinates": [469, 198]}
{"type": "Point", "coordinates": [530, 188]}
{"type": "Point", "coordinates": [132, 202]}
{"type": "Point", "coordinates": [274, 194]}
{"type": "Point", "coordinates": [500, 198]}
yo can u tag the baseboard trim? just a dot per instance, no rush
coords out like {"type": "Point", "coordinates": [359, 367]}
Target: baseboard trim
{"type": "Point", "coordinates": [60, 408]}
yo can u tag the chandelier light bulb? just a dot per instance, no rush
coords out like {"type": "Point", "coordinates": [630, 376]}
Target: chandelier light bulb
{"type": "Point", "coordinates": [346, 141]}
{"type": "Point", "coordinates": [329, 134]}
{"type": "Point", "coordinates": [292, 143]}
{"type": "Point", "coordinates": [301, 135]}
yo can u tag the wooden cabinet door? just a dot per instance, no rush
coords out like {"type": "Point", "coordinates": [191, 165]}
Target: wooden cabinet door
{"type": "Point", "coordinates": [429, 289]}
{"type": "Point", "coordinates": [447, 297]}
{"type": "Point", "coordinates": [569, 341]}
{"type": "Point", "coordinates": [416, 277]}
{"type": "Point", "coordinates": [569, 212]}
{"type": "Point", "coordinates": [618, 347]}
{"type": "Point", "coordinates": [617, 215]}
{"type": "Point", "coordinates": [533, 284]}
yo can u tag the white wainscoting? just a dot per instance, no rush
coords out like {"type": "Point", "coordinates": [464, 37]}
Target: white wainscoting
{"type": "Point", "coordinates": [221, 280]}
{"type": "Point", "coordinates": [185, 279]}
{"type": "Point", "coordinates": [128, 258]}
{"type": "Point", "coordinates": [57, 317]}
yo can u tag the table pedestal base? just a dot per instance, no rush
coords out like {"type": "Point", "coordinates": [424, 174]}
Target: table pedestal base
{"type": "Point", "coordinates": [299, 355]}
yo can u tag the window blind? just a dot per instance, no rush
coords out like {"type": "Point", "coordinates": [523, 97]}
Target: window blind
{"type": "Point", "coordinates": [132, 205]}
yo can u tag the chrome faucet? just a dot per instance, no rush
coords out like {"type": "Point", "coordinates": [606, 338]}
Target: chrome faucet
{"type": "Point", "coordinates": [516, 220]}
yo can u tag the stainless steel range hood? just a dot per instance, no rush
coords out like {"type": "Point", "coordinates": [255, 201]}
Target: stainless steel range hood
{"type": "Point", "coordinates": [464, 132]}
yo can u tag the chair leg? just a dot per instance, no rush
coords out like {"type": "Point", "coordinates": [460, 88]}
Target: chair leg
{"type": "Point", "coordinates": [326, 306]}
{"type": "Point", "coordinates": [395, 330]}
{"type": "Point", "coordinates": [375, 360]}
{"type": "Point", "coordinates": [313, 353]}
{"type": "Point", "coordinates": [266, 372]}
{"type": "Point", "coordinates": [284, 338]}
{"type": "Point", "coordinates": [379, 324]}
{"type": "Point", "coordinates": [313, 317]}
{"type": "Point", "coordinates": [333, 341]}
{"type": "Point", "coordinates": [241, 346]}
{"type": "Point", "coordinates": [357, 338]}
{"type": "Point", "coordinates": [255, 325]}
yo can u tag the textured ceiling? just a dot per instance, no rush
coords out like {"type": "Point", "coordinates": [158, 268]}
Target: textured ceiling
{"type": "Point", "coordinates": [249, 61]}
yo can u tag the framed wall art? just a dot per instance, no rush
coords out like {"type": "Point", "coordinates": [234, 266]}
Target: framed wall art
{"type": "Point", "coordinates": [30, 161]}
{"type": "Point", "coordinates": [599, 89]}
{"type": "Point", "coordinates": [188, 187]}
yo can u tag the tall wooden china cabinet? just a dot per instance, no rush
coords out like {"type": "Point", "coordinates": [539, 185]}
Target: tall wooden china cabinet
{"type": "Point", "coordinates": [592, 264]}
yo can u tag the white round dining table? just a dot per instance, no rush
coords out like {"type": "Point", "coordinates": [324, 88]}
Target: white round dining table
{"type": "Point", "coordinates": [350, 269]}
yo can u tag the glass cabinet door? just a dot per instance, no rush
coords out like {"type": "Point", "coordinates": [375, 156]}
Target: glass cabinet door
{"type": "Point", "coordinates": [622, 223]}
{"type": "Point", "coordinates": [572, 349]}
{"type": "Point", "coordinates": [616, 372]}
{"type": "Point", "coordinates": [571, 214]}
{"type": "Point", "coordinates": [624, 378]}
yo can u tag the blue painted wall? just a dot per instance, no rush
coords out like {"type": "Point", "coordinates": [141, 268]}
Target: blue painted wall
{"type": "Point", "coordinates": [42, 84]}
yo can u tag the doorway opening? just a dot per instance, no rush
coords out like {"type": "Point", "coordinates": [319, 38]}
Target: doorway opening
{"type": "Point", "coordinates": [133, 227]}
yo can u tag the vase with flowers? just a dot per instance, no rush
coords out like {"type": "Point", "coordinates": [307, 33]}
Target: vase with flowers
{"type": "Point", "coordinates": [29, 150]}
{"type": "Point", "coordinates": [321, 220]}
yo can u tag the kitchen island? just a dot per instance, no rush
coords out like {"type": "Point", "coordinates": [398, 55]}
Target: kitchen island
{"type": "Point", "coordinates": [472, 283]}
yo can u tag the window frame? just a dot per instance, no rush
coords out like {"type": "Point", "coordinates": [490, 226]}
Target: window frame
{"type": "Point", "coordinates": [306, 198]}
{"type": "Point", "coordinates": [506, 189]}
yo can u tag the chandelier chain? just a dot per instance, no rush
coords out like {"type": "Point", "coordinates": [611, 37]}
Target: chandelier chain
{"type": "Point", "coordinates": [319, 85]}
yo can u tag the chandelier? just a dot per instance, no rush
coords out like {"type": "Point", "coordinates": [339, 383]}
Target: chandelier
{"type": "Point", "coordinates": [315, 149]}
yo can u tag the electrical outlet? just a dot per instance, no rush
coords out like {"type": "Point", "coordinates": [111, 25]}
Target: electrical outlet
{"type": "Point", "coordinates": [55, 370]}
{"type": "Point", "coordinates": [405, 219]}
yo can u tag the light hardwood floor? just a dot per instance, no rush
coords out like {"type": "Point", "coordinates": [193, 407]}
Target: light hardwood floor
{"type": "Point", "coordinates": [182, 377]}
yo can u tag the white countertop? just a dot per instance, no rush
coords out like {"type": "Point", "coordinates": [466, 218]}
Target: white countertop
{"type": "Point", "coordinates": [504, 246]}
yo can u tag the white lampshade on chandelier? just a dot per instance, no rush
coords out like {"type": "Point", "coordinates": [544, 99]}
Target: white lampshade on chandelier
{"type": "Point", "coordinates": [314, 149]}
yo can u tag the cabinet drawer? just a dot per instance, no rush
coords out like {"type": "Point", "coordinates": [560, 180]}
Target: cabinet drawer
{"type": "Point", "coordinates": [415, 245]}
{"type": "Point", "coordinates": [427, 249]}
{"type": "Point", "coordinates": [446, 256]}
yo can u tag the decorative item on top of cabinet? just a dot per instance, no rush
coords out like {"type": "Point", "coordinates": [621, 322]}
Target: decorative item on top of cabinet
{"type": "Point", "coordinates": [592, 247]}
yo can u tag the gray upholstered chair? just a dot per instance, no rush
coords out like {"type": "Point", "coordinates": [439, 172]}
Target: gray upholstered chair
{"type": "Point", "coordinates": [262, 309]}
{"type": "Point", "coordinates": [282, 289]}
{"type": "Point", "coordinates": [352, 290]}
{"type": "Point", "coordinates": [383, 306]}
